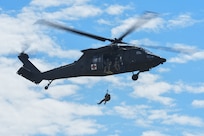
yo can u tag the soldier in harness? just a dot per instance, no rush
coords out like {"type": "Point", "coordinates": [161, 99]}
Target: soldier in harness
{"type": "Point", "coordinates": [106, 98]}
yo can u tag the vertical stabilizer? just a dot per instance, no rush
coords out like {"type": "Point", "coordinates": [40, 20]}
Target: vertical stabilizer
{"type": "Point", "coordinates": [28, 70]}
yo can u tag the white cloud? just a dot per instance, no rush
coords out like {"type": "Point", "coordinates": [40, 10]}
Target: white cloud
{"type": "Point", "coordinates": [141, 24]}
{"type": "Point", "coordinates": [182, 20]}
{"type": "Point", "coordinates": [146, 116]}
{"type": "Point", "coordinates": [22, 103]}
{"type": "Point", "coordinates": [131, 112]}
{"type": "Point", "coordinates": [125, 25]}
{"type": "Point", "coordinates": [153, 133]}
{"type": "Point", "coordinates": [153, 91]}
{"type": "Point", "coordinates": [56, 3]}
{"type": "Point", "coordinates": [89, 81]}
{"type": "Point", "coordinates": [144, 42]}
{"type": "Point", "coordinates": [192, 133]}
{"type": "Point", "coordinates": [61, 91]}
{"type": "Point", "coordinates": [198, 103]}
{"type": "Point", "coordinates": [103, 21]}
{"type": "Point", "coordinates": [137, 113]}
{"type": "Point", "coordinates": [116, 9]}
{"type": "Point", "coordinates": [148, 87]}
{"type": "Point", "coordinates": [186, 49]}
{"type": "Point", "coordinates": [162, 70]}
{"type": "Point", "coordinates": [196, 88]}
{"type": "Point", "coordinates": [155, 24]}
{"type": "Point", "coordinates": [186, 53]}
{"type": "Point", "coordinates": [73, 13]}
{"type": "Point", "coordinates": [46, 116]}
{"type": "Point", "coordinates": [184, 58]}
{"type": "Point", "coordinates": [172, 119]}
{"type": "Point", "coordinates": [28, 110]}
{"type": "Point", "coordinates": [184, 120]}
{"type": "Point", "coordinates": [81, 127]}
{"type": "Point", "coordinates": [20, 34]}
{"type": "Point", "coordinates": [69, 54]}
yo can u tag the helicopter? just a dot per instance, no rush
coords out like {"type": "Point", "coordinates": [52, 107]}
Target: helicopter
{"type": "Point", "coordinates": [115, 58]}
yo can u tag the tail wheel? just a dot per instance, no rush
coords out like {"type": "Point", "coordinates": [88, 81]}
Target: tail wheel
{"type": "Point", "coordinates": [47, 86]}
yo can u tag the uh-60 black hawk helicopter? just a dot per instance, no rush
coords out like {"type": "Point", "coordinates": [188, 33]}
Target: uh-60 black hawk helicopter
{"type": "Point", "coordinates": [115, 58]}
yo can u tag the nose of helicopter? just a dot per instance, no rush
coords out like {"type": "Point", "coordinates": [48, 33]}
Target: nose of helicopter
{"type": "Point", "coordinates": [153, 61]}
{"type": "Point", "coordinates": [157, 60]}
{"type": "Point", "coordinates": [162, 60]}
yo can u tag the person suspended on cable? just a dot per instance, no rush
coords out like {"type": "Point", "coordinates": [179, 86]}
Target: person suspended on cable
{"type": "Point", "coordinates": [106, 98]}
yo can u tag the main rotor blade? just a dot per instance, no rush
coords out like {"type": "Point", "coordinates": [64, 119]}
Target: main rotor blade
{"type": "Point", "coordinates": [62, 27]}
{"type": "Point", "coordinates": [146, 17]}
{"type": "Point", "coordinates": [183, 50]}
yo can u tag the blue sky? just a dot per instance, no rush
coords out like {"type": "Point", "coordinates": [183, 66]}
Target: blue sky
{"type": "Point", "coordinates": [168, 100]}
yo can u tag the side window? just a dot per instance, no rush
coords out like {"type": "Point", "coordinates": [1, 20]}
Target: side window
{"type": "Point", "coordinates": [138, 52]}
{"type": "Point", "coordinates": [96, 59]}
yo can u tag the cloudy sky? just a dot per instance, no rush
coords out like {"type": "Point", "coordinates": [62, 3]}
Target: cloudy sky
{"type": "Point", "coordinates": [168, 100]}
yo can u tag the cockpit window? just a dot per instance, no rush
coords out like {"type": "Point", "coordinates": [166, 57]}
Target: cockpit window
{"type": "Point", "coordinates": [149, 56]}
{"type": "Point", "coordinates": [148, 52]}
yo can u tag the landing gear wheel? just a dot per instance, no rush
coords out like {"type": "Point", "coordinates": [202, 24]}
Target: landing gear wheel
{"type": "Point", "coordinates": [135, 76]}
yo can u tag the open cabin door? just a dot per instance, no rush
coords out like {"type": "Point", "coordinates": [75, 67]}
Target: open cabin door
{"type": "Point", "coordinates": [113, 63]}
{"type": "Point", "coordinates": [107, 63]}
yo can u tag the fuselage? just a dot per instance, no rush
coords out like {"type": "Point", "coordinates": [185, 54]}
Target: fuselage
{"type": "Point", "coordinates": [107, 60]}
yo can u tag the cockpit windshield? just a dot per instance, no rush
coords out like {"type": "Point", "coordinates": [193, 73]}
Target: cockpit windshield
{"type": "Point", "coordinates": [145, 50]}
{"type": "Point", "coordinates": [148, 52]}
